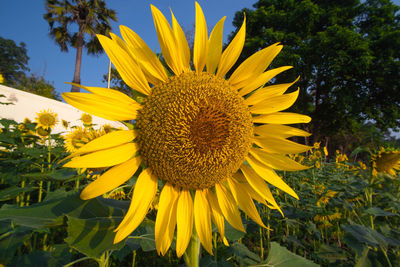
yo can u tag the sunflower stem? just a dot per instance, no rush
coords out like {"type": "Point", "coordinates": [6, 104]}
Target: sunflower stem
{"type": "Point", "coordinates": [192, 252]}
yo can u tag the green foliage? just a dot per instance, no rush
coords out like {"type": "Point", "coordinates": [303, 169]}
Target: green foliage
{"type": "Point", "coordinates": [345, 216]}
{"type": "Point", "coordinates": [92, 17]}
{"type": "Point", "coordinates": [13, 60]}
{"type": "Point", "coordinates": [13, 67]}
{"type": "Point", "coordinates": [345, 52]}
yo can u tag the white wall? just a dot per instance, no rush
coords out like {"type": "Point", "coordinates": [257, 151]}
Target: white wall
{"type": "Point", "coordinates": [26, 105]}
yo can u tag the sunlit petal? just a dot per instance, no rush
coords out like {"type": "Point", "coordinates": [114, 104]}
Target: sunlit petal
{"type": "Point", "coordinates": [143, 195]}
{"type": "Point", "coordinates": [232, 52]}
{"type": "Point", "coordinates": [111, 179]}
{"type": "Point", "coordinates": [202, 220]}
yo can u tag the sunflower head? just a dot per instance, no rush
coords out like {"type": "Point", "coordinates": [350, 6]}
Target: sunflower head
{"type": "Point", "coordinates": [86, 119]}
{"type": "Point", "coordinates": [214, 141]}
{"type": "Point", "coordinates": [46, 119]}
{"type": "Point", "coordinates": [386, 161]}
{"type": "Point", "coordinates": [79, 136]}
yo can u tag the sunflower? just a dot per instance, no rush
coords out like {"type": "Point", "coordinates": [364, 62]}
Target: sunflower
{"type": "Point", "coordinates": [1, 78]}
{"type": "Point", "coordinates": [46, 119]}
{"type": "Point", "coordinates": [213, 142]}
{"type": "Point", "coordinates": [79, 136]}
{"type": "Point", "coordinates": [386, 161]}
{"type": "Point", "coordinates": [86, 119]}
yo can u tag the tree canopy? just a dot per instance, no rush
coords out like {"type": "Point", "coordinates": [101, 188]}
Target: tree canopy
{"type": "Point", "coordinates": [14, 67]}
{"type": "Point", "coordinates": [346, 53]}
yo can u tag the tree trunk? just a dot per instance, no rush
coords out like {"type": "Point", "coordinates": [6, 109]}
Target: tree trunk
{"type": "Point", "coordinates": [78, 61]}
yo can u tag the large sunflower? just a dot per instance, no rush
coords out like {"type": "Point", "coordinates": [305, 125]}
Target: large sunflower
{"type": "Point", "coordinates": [213, 142]}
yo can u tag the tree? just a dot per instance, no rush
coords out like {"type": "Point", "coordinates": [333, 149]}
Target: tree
{"type": "Point", "coordinates": [335, 55]}
{"type": "Point", "coordinates": [38, 85]}
{"type": "Point", "coordinates": [13, 67]}
{"type": "Point", "coordinates": [91, 16]}
{"type": "Point", "coordinates": [13, 61]}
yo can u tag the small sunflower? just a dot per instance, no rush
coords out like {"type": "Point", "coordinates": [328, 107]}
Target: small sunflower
{"type": "Point", "coordinates": [386, 161]}
{"type": "Point", "coordinates": [46, 119]}
{"type": "Point", "coordinates": [1, 78]}
{"type": "Point", "coordinates": [213, 142]}
{"type": "Point", "coordinates": [86, 119]}
{"type": "Point", "coordinates": [80, 136]}
{"type": "Point", "coordinates": [75, 139]}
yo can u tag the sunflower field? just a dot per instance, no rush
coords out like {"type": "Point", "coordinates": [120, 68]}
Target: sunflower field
{"type": "Point", "coordinates": [347, 212]}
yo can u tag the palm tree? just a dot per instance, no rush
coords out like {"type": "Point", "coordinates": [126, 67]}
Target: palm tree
{"type": "Point", "coordinates": [92, 17]}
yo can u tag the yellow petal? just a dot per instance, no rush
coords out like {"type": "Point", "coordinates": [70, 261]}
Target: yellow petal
{"type": "Point", "coordinates": [217, 216]}
{"type": "Point", "coordinates": [278, 130]}
{"type": "Point", "coordinates": [267, 92]}
{"type": "Point", "coordinates": [277, 161]}
{"type": "Point", "coordinates": [215, 46]}
{"type": "Point", "coordinates": [229, 207]}
{"type": "Point", "coordinates": [261, 80]}
{"type": "Point", "coordinates": [111, 179]}
{"type": "Point", "coordinates": [275, 104]}
{"type": "Point", "coordinates": [202, 220]}
{"type": "Point", "coordinates": [102, 106]}
{"type": "Point", "coordinates": [184, 222]}
{"type": "Point", "coordinates": [200, 49]}
{"type": "Point", "coordinates": [166, 218]}
{"type": "Point", "coordinates": [243, 182]}
{"type": "Point", "coordinates": [104, 158]}
{"type": "Point", "coordinates": [143, 195]}
{"type": "Point", "coordinates": [232, 52]}
{"type": "Point", "coordinates": [119, 41]}
{"type": "Point", "coordinates": [146, 58]}
{"type": "Point", "coordinates": [168, 44]}
{"type": "Point", "coordinates": [270, 176]}
{"type": "Point", "coordinates": [280, 145]}
{"type": "Point", "coordinates": [254, 66]}
{"type": "Point", "coordinates": [258, 184]}
{"type": "Point", "coordinates": [109, 93]}
{"type": "Point", "coordinates": [126, 67]}
{"type": "Point", "coordinates": [245, 202]}
{"type": "Point", "coordinates": [106, 141]}
{"type": "Point", "coordinates": [282, 118]}
{"type": "Point", "coordinates": [183, 47]}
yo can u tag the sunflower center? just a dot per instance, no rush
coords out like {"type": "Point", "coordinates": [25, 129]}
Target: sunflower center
{"type": "Point", "coordinates": [194, 130]}
{"type": "Point", "coordinates": [47, 120]}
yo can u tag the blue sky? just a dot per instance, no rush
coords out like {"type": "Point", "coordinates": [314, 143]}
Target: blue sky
{"type": "Point", "coordinates": [22, 21]}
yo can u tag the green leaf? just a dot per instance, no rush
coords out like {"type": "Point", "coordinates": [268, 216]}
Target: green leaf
{"type": "Point", "coordinates": [363, 261]}
{"type": "Point", "coordinates": [94, 236]}
{"type": "Point", "coordinates": [34, 259]}
{"type": "Point", "coordinates": [208, 261]}
{"type": "Point", "coordinates": [369, 236]}
{"type": "Point", "coordinates": [143, 237]}
{"type": "Point", "coordinates": [379, 212]}
{"type": "Point", "coordinates": [331, 254]}
{"type": "Point", "coordinates": [232, 234]}
{"type": "Point", "coordinates": [59, 203]}
{"type": "Point", "coordinates": [56, 175]}
{"type": "Point", "coordinates": [243, 255]}
{"type": "Point", "coordinates": [279, 256]}
{"type": "Point", "coordinates": [11, 240]}
{"type": "Point", "coordinates": [13, 191]}
{"type": "Point", "coordinates": [60, 255]}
